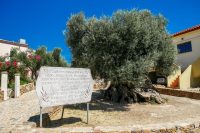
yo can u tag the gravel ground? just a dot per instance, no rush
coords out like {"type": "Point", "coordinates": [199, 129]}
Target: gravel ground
{"type": "Point", "coordinates": [177, 110]}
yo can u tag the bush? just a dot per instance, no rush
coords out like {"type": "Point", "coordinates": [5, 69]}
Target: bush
{"type": "Point", "coordinates": [23, 62]}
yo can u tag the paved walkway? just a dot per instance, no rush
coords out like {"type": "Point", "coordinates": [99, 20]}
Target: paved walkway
{"type": "Point", "coordinates": [17, 111]}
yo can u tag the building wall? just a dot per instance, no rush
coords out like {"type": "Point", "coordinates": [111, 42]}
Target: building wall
{"type": "Point", "coordinates": [186, 59]}
{"type": "Point", "coordinates": [185, 78]}
{"type": "Point", "coordinates": [175, 74]}
{"type": "Point", "coordinates": [190, 78]}
{"type": "Point", "coordinates": [5, 48]}
{"type": "Point", "coordinates": [195, 76]}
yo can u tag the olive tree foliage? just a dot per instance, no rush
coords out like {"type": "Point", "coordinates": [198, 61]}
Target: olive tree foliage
{"type": "Point", "coordinates": [123, 47]}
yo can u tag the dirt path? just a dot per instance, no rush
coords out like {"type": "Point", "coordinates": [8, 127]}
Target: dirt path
{"type": "Point", "coordinates": [176, 111]}
{"type": "Point", "coordinates": [104, 116]}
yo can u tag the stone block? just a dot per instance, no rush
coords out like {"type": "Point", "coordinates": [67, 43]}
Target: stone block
{"type": "Point", "coordinates": [146, 131]}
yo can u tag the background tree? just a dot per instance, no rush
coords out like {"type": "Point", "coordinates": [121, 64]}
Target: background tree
{"type": "Point", "coordinates": [23, 62]}
{"type": "Point", "coordinates": [41, 57]}
{"type": "Point", "coordinates": [10, 64]}
{"type": "Point", "coordinates": [123, 49]}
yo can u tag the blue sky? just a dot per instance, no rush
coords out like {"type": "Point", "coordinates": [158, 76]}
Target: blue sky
{"type": "Point", "coordinates": [41, 22]}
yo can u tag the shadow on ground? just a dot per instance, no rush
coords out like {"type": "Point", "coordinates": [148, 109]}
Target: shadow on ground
{"type": "Point", "coordinates": [97, 103]}
{"type": "Point", "coordinates": [36, 119]}
{"type": "Point", "coordinates": [63, 121]}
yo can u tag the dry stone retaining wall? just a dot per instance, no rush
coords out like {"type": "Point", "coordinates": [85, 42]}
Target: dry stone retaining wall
{"type": "Point", "coordinates": [178, 93]}
{"type": "Point", "coordinates": [26, 88]}
{"type": "Point", "coordinates": [23, 89]}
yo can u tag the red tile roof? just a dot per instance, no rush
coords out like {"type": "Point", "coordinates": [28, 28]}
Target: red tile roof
{"type": "Point", "coordinates": [197, 27]}
{"type": "Point", "coordinates": [13, 43]}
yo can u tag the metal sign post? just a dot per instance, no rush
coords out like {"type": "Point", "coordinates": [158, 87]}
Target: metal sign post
{"type": "Point", "coordinates": [41, 117]}
{"type": "Point", "coordinates": [87, 113]}
{"type": "Point", "coordinates": [62, 112]}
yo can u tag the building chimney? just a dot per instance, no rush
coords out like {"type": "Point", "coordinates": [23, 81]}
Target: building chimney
{"type": "Point", "coordinates": [22, 41]}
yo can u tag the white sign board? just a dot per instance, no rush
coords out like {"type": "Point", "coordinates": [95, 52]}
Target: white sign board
{"type": "Point", "coordinates": [60, 86]}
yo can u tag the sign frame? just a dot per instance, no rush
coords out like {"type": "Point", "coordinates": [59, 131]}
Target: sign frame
{"type": "Point", "coordinates": [39, 87]}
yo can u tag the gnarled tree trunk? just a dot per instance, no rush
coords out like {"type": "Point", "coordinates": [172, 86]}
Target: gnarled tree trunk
{"type": "Point", "coordinates": [125, 93]}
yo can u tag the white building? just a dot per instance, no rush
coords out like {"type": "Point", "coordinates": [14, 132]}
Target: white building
{"type": "Point", "coordinates": [188, 45]}
{"type": "Point", "coordinates": [6, 46]}
{"type": "Point", "coordinates": [188, 58]}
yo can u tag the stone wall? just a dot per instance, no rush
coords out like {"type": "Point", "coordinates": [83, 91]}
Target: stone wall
{"type": "Point", "coordinates": [26, 88]}
{"type": "Point", "coordinates": [23, 89]}
{"type": "Point", "coordinates": [99, 84]}
{"type": "Point", "coordinates": [178, 93]}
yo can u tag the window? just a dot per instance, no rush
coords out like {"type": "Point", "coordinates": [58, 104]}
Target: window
{"type": "Point", "coordinates": [184, 47]}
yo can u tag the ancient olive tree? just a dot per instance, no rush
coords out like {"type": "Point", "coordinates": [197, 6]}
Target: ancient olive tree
{"type": "Point", "coordinates": [122, 49]}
